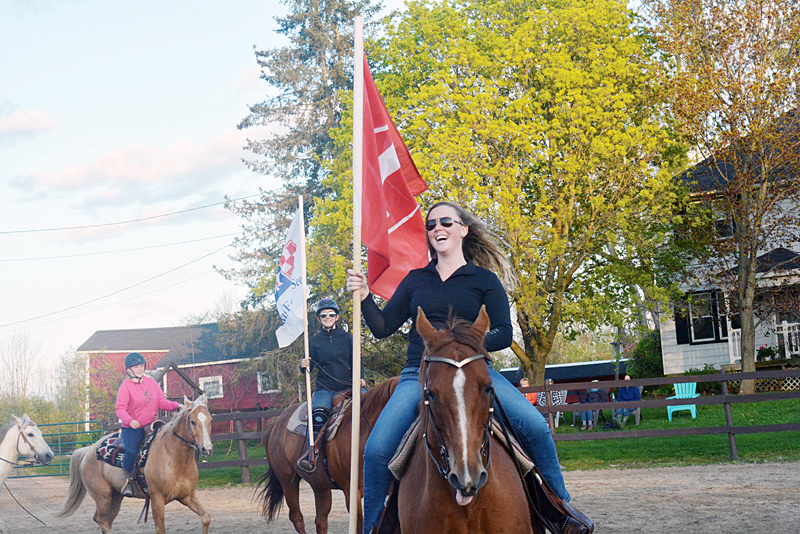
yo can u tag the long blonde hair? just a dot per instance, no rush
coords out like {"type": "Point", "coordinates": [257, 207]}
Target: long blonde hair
{"type": "Point", "coordinates": [480, 245]}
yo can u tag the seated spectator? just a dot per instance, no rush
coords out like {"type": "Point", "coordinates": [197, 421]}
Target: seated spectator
{"type": "Point", "coordinates": [626, 394]}
{"type": "Point", "coordinates": [587, 397]}
{"type": "Point", "coordinates": [556, 397]}
{"type": "Point", "coordinates": [523, 383]}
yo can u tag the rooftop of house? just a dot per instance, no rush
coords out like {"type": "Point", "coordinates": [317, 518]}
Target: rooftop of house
{"type": "Point", "coordinates": [184, 345]}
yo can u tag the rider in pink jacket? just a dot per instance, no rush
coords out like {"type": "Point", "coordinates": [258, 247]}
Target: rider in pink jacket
{"type": "Point", "coordinates": [138, 401]}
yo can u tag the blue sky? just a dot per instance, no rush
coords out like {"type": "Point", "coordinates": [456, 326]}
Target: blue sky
{"type": "Point", "coordinates": [112, 111]}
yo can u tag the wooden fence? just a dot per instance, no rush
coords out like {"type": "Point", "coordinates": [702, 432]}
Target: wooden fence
{"type": "Point", "coordinates": [726, 399]}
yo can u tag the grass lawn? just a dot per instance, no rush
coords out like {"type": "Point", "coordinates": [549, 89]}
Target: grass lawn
{"type": "Point", "coordinates": [634, 452]}
{"type": "Point", "coordinates": [688, 450]}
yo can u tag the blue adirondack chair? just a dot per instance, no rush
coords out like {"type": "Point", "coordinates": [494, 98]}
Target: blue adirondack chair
{"type": "Point", "coordinates": [684, 391]}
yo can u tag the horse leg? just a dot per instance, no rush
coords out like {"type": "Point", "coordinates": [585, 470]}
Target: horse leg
{"type": "Point", "coordinates": [113, 507]}
{"type": "Point", "coordinates": [193, 503]}
{"type": "Point", "coordinates": [157, 505]}
{"type": "Point", "coordinates": [323, 501]}
{"type": "Point", "coordinates": [291, 493]}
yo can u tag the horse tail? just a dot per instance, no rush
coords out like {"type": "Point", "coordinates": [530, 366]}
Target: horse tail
{"type": "Point", "coordinates": [77, 489]}
{"type": "Point", "coordinates": [271, 494]}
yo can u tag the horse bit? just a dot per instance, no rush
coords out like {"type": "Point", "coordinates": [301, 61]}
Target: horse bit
{"type": "Point", "coordinates": [486, 445]}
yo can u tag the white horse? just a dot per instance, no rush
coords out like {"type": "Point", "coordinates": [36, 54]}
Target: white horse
{"type": "Point", "coordinates": [21, 437]}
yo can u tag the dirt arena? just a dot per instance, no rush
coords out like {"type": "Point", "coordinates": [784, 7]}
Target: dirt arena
{"type": "Point", "coordinates": [744, 498]}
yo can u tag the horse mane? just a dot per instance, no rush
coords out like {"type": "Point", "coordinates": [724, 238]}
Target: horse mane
{"type": "Point", "coordinates": [4, 431]}
{"type": "Point", "coordinates": [457, 330]}
{"type": "Point", "coordinates": [173, 422]}
{"type": "Point", "coordinates": [376, 398]}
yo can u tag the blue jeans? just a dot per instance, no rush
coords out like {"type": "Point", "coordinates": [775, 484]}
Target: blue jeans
{"type": "Point", "coordinates": [586, 416]}
{"type": "Point", "coordinates": [624, 412]}
{"type": "Point", "coordinates": [131, 439]}
{"type": "Point", "coordinates": [402, 409]}
{"type": "Point", "coordinates": [322, 398]}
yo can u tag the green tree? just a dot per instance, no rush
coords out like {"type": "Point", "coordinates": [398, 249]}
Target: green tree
{"type": "Point", "coordinates": [733, 75]}
{"type": "Point", "coordinates": [545, 119]}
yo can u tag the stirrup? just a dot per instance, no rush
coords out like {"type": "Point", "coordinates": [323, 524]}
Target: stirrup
{"type": "Point", "coordinates": [130, 489]}
{"type": "Point", "coordinates": [308, 463]}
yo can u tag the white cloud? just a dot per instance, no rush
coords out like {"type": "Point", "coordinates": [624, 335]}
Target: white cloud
{"type": "Point", "coordinates": [25, 122]}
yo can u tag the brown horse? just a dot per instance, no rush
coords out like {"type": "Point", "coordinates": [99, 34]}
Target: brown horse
{"type": "Point", "coordinates": [171, 471]}
{"type": "Point", "coordinates": [284, 448]}
{"type": "Point", "coordinates": [459, 479]}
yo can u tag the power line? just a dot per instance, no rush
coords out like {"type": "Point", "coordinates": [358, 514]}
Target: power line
{"type": "Point", "coordinates": [117, 251]}
{"type": "Point", "coordinates": [126, 300]}
{"type": "Point", "coordinates": [121, 222]}
{"type": "Point", "coordinates": [114, 293]}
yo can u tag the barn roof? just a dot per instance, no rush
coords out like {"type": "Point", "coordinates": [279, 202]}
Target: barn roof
{"type": "Point", "coordinates": [184, 345]}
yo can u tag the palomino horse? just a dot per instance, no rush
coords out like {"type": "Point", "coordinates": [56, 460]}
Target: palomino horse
{"type": "Point", "coordinates": [284, 448]}
{"type": "Point", "coordinates": [21, 437]}
{"type": "Point", "coordinates": [171, 471]}
{"type": "Point", "coordinates": [459, 478]}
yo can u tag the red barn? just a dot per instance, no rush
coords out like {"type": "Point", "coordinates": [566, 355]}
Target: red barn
{"type": "Point", "coordinates": [186, 357]}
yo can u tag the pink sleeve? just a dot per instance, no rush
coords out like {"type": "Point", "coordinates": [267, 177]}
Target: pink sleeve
{"type": "Point", "coordinates": [121, 408]}
{"type": "Point", "coordinates": [166, 404]}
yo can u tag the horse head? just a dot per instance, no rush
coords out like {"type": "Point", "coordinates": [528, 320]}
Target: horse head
{"type": "Point", "coordinates": [457, 401]}
{"type": "Point", "coordinates": [199, 424]}
{"type": "Point", "coordinates": [30, 441]}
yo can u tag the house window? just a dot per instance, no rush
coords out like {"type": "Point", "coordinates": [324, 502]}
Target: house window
{"type": "Point", "coordinates": [265, 383]}
{"type": "Point", "coordinates": [702, 318]}
{"type": "Point", "coordinates": [211, 386]}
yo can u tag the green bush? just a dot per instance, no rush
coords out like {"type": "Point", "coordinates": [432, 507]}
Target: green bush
{"type": "Point", "coordinates": [645, 362]}
{"type": "Point", "coordinates": [710, 388]}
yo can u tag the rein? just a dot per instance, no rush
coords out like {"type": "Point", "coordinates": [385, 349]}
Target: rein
{"type": "Point", "coordinates": [28, 443]}
{"type": "Point", "coordinates": [486, 446]}
{"type": "Point", "coordinates": [193, 443]}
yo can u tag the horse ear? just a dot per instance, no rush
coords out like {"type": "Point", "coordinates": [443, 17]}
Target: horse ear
{"type": "Point", "coordinates": [425, 328]}
{"type": "Point", "coordinates": [186, 401]}
{"type": "Point", "coordinates": [481, 324]}
{"type": "Point", "coordinates": [19, 422]}
{"type": "Point", "coordinates": [202, 400]}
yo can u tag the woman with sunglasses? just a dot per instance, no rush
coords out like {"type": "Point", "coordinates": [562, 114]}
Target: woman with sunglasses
{"type": "Point", "coordinates": [458, 281]}
{"type": "Point", "coordinates": [331, 354]}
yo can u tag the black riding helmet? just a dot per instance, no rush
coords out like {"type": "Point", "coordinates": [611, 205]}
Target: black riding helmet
{"type": "Point", "coordinates": [327, 304]}
{"type": "Point", "coordinates": [133, 359]}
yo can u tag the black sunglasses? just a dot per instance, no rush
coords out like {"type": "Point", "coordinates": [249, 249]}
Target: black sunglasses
{"type": "Point", "coordinates": [446, 222]}
{"type": "Point", "coordinates": [328, 314]}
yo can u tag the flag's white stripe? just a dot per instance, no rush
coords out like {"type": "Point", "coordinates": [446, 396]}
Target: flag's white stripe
{"type": "Point", "coordinates": [389, 163]}
{"type": "Point", "coordinates": [384, 128]}
{"type": "Point", "coordinates": [403, 220]}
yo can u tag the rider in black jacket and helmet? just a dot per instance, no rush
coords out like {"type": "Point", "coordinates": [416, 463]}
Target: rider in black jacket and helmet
{"type": "Point", "coordinates": [331, 354]}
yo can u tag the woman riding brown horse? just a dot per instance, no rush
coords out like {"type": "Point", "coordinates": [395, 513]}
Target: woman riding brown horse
{"type": "Point", "coordinates": [459, 478]}
{"type": "Point", "coordinates": [282, 479]}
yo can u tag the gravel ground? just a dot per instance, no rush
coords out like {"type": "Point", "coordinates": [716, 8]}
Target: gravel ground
{"type": "Point", "coordinates": [721, 498]}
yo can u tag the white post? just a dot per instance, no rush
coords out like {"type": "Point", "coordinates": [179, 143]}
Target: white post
{"type": "Point", "coordinates": [305, 322]}
{"type": "Point", "coordinates": [358, 126]}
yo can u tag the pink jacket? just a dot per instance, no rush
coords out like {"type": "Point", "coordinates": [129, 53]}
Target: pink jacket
{"type": "Point", "coordinates": [141, 402]}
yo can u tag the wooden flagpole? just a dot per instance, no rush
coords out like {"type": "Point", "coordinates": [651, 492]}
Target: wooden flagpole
{"type": "Point", "coordinates": [305, 323]}
{"type": "Point", "coordinates": [358, 127]}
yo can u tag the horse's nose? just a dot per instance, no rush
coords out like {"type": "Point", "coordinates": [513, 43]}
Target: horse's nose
{"type": "Point", "coordinates": [470, 485]}
{"type": "Point", "coordinates": [45, 458]}
{"type": "Point", "coordinates": [206, 452]}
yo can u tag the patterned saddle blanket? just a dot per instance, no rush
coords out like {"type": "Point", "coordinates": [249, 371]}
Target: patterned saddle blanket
{"type": "Point", "coordinates": [298, 422]}
{"type": "Point", "coordinates": [112, 452]}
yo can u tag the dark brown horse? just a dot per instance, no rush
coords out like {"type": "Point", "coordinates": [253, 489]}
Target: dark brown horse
{"type": "Point", "coordinates": [284, 448]}
{"type": "Point", "coordinates": [459, 479]}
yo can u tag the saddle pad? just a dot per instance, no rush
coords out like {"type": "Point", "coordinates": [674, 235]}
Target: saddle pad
{"type": "Point", "coordinates": [398, 462]}
{"type": "Point", "coordinates": [111, 451]}
{"type": "Point", "coordinates": [298, 422]}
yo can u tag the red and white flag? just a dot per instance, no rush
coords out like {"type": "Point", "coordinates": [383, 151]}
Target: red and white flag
{"type": "Point", "coordinates": [392, 226]}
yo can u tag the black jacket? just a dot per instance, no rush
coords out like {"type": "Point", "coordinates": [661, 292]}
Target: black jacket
{"type": "Point", "coordinates": [461, 295]}
{"type": "Point", "coordinates": [331, 353]}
